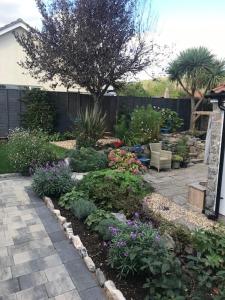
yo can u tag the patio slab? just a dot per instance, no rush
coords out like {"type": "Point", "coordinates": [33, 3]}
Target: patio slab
{"type": "Point", "coordinates": [36, 260]}
{"type": "Point", "coordinates": [173, 184]}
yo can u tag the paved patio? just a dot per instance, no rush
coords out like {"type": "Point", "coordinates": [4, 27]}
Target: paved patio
{"type": "Point", "coordinates": [36, 260]}
{"type": "Point", "coordinates": [173, 184]}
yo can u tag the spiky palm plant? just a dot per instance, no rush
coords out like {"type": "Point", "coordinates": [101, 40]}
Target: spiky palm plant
{"type": "Point", "coordinates": [196, 70]}
{"type": "Point", "coordinates": [90, 127]}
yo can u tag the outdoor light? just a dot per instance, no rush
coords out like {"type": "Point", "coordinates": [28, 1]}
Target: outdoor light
{"type": "Point", "coordinates": [221, 103]}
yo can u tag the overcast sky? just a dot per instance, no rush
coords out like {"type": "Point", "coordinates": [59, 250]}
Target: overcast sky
{"type": "Point", "coordinates": [182, 23]}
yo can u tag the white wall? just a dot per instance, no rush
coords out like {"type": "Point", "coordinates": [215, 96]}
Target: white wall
{"type": "Point", "coordinates": [10, 72]}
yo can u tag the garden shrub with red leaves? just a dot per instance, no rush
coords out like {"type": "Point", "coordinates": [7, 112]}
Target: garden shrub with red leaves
{"type": "Point", "coordinates": [125, 161]}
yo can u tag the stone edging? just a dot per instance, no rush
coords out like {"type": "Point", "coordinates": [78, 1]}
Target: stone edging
{"type": "Point", "coordinates": [112, 293]}
{"type": "Point", "coordinates": [7, 175]}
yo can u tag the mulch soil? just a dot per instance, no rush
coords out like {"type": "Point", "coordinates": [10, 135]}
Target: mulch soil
{"type": "Point", "coordinates": [130, 287]}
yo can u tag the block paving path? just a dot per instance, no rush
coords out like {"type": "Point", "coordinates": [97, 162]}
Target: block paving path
{"type": "Point", "coordinates": [36, 259]}
{"type": "Point", "coordinates": [173, 184]}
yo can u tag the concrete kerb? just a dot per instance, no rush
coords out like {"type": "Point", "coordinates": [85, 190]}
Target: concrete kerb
{"type": "Point", "coordinates": [112, 293]}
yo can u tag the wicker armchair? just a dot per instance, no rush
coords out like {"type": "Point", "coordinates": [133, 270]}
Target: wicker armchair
{"type": "Point", "coordinates": [160, 159]}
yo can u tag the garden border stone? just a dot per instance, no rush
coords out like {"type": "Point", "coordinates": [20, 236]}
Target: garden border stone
{"type": "Point", "coordinates": [111, 292]}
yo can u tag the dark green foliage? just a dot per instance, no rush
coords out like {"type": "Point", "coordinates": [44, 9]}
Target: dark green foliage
{"type": "Point", "coordinates": [52, 181]}
{"type": "Point", "coordinates": [170, 119]}
{"type": "Point", "coordinates": [29, 150]}
{"type": "Point", "coordinates": [96, 217]}
{"type": "Point", "coordinates": [72, 197]}
{"type": "Point", "coordinates": [83, 208]}
{"type": "Point", "coordinates": [114, 190]}
{"type": "Point", "coordinates": [206, 267]}
{"type": "Point", "coordinates": [87, 159]}
{"type": "Point", "coordinates": [182, 149]}
{"type": "Point", "coordinates": [133, 89]}
{"type": "Point", "coordinates": [138, 250]}
{"type": "Point", "coordinates": [122, 129]}
{"type": "Point", "coordinates": [40, 111]}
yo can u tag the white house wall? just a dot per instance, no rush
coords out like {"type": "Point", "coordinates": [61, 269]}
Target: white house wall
{"type": "Point", "coordinates": [10, 72]}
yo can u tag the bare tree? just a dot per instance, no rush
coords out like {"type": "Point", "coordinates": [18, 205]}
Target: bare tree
{"type": "Point", "coordinates": [90, 43]}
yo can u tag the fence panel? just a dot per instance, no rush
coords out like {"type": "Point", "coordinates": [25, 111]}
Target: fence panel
{"type": "Point", "coordinates": [69, 104]}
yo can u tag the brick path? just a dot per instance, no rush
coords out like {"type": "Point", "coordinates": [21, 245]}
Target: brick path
{"type": "Point", "coordinates": [173, 184]}
{"type": "Point", "coordinates": [36, 260]}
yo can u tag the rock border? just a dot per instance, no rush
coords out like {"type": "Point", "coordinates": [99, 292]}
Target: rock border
{"type": "Point", "coordinates": [111, 292]}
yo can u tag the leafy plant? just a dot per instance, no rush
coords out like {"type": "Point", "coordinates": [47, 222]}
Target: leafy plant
{"type": "Point", "coordinates": [83, 208]}
{"type": "Point", "coordinates": [137, 249]}
{"type": "Point", "coordinates": [40, 112]}
{"type": "Point", "coordinates": [206, 267]}
{"type": "Point", "coordinates": [90, 127]}
{"type": "Point", "coordinates": [114, 190]}
{"type": "Point", "coordinates": [105, 227]}
{"type": "Point", "coordinates": [87, 159]}
{"type": "Point", "coordinates": [96, 217]}
{"type": "Point", "coordinates": [182, 149]}
{"type": "Point", "coordinates": [125, 161]}
{"type": "Point", "coordinates": [52, 180]}
{"type": "Point", "coordinates": [122, 129]}
{"type": "Point", "coordinates": [28, 150]}
{"type": "Point", "coordinates": [176, 157]}
{"type": "Point", "coordinates": [145, 125]}
{"type": "Point", "coordinates": [170, 118]}
{"type": "Point", "coordinates": [72, 197]}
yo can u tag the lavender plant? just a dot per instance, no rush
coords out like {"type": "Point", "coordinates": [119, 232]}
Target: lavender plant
{"type": "Point", "coordinates": [53, 180]}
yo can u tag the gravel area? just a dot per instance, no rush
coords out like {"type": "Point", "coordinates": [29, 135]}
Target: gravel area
{"type": "Point", "coordinates": [70, 144]}
{"type": "Point", "coordinates": [171, 211]}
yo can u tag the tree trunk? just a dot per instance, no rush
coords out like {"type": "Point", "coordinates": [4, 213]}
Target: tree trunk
{"type": "Point", "coordinates": [192, 117]}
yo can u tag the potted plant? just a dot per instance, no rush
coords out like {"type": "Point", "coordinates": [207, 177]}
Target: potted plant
{"type": "Point", "coordinates": [182, 150]}
{"type": "Point", "coordinates": [176, 160]}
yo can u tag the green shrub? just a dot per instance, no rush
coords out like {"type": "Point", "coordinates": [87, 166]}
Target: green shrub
{"type": "Point", "coordinates": [122, 129]}
{"type": "Point", "coordinates": [40, 111]}
{"type": "Point", "coordinates": [137, 249]}
{"type": "Point", "coordinates": [182, 149]}
{"type": "Point", "coordinates": [96, 217]}
{"type": "Point", "coordinates": [90, 127]}
{"type": "Point", "coordinates": [170, 118]}
{"type": "Point", "coordinates": [114, 190]}
{"type": "Point", "coordinates": [52, 181]}
{"type": "Point", "coordinates": [87, 159]}
{"type": "Point", "coordinates": [145, 125]}
{"type": "Point", "coordinates": [104, 228]}
{"type": "Point", "coordinates": [206, 267]}
{"type": "Point", "coordinates": [29, 150]}
{"type": "Point", "coordinates": [72, 197]}
{"type": "Point", "coordinates": [83, 208]}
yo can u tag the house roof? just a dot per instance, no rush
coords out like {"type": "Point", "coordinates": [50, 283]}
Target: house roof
{"type": "Point", "coordinates": [13, 25]}
{"type": "Point", "coordinates": [217, 93]}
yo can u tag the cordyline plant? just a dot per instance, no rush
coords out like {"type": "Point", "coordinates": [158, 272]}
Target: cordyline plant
{"type": "Point", "coordinates": [90, 43]}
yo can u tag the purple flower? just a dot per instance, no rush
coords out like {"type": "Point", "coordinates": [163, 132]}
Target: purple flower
{"type": "Point", "coordinates": [130, 223]}
{"type": "Point", "coordinates": [133, 235]}
{"type": "Point", "coordinates": [125, 254]}
{"type": "Point", "coordinates": [136, 215]}
{"type": "Point", "coordinates": [121, 244]}
{"type": "Point", "coordinates": [157, 237]}
{"type": "Point", "coordinates": [114, 231]}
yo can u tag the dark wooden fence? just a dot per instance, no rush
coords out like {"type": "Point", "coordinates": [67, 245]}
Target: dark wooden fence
{"type": "Point", "coordinates": [69, 104]}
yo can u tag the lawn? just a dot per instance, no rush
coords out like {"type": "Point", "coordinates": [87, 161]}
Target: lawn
{"type": "Point", "coordinates": [5, 166]}
{"type": "Point", "coordinates": [4, 160]}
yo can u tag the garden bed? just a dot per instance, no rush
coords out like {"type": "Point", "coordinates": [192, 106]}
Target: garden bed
{"type": "Point", "coordinates": [130, 287]}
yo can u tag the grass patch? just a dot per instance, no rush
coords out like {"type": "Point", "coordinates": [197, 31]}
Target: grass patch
{"type": "Point", "coordinates": [60, 152]}
{"type": "Point", "coordinates": [5, 166]}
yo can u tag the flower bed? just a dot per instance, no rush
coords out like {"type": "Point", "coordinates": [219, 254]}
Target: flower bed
{"type": "Point", "coordinates": [150, 256]}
